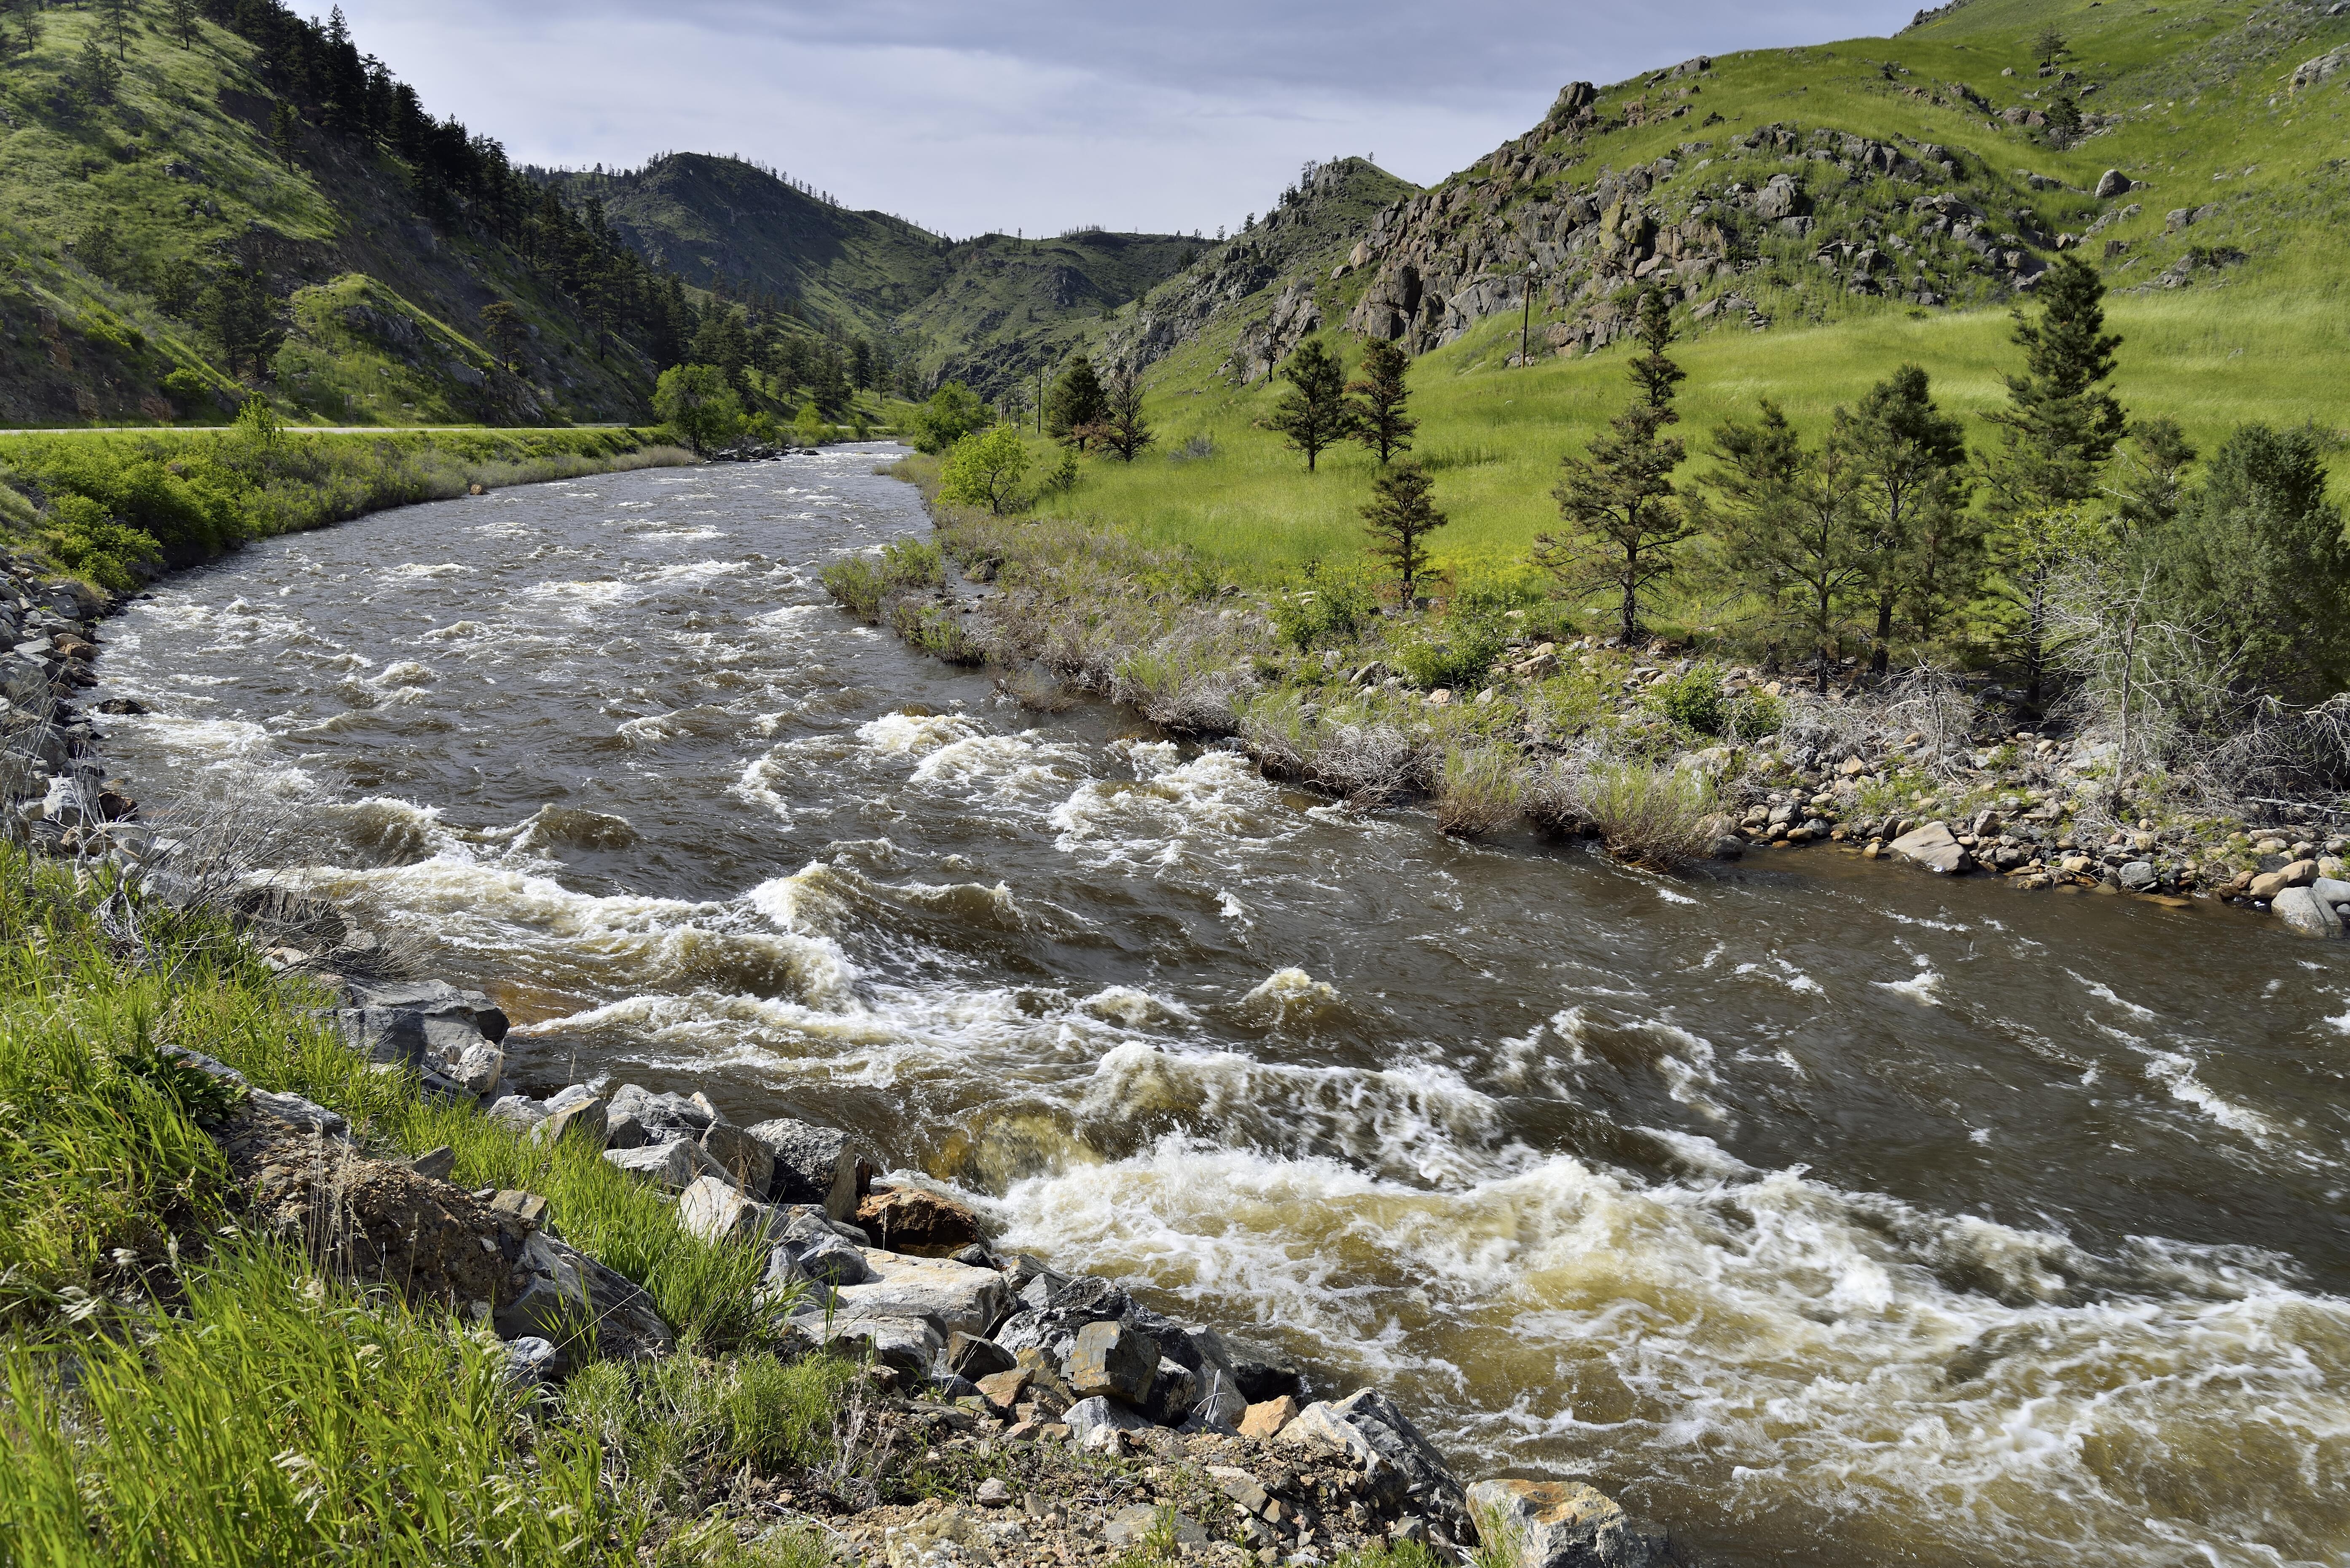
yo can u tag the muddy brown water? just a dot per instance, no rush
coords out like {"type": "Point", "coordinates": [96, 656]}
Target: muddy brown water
{"type": "Point", "coordinates": [1832, 1213]}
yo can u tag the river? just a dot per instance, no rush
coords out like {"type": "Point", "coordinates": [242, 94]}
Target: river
{"type": "Point", "coordinates": [1829, 1213]}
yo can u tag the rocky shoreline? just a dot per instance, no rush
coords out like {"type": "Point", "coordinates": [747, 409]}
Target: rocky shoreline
{"type": "Point", "coordinates": [1059, 1420]}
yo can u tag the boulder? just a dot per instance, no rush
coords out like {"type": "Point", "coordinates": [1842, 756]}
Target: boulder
{"type": "Point", "coordinates": [1109, 1358]}
{"type": "Point", "coordinates": [904, 1344]}
{"type": "Point", "coordinates": [1401, 1465]}
{"type": "Point", "coordinates": [1221, 1407]}
{"type": "Point", "coordinates": [1005, 1389]}
{"type": "Point", "coordinates": [814, 1165]}
{"type": "Point", "coordinates": [2113, 182]}
{"type": "Point", "coordinates": [714, 1208]}
{"type": "Point", "coordinates": [916, 1221]}
{"type": "Point", "coordinates": [563, 1290]}
{"type": "Point", "coordinates": [1174, 1390]}
{"type": "Point", "coordinates": [743, 1156]}
{"type": "Point", "coordinates": [1052, 1328]}
{"type": "Point", "coordinates": [1260, 1371]}
{"type": "Point", "coordinates": [580, 1120]}
{"type": "Point", "coordinates": [2299, 874]}
{"type": "Point", "coordinates": [674, 1165]}
{"type": "Point", "coordinates": [1264, 1421]}
{"type": "Point", "coordinates": [814, 1253]}
{"type": "Point", "coordinates": [1563, 1524]}
{"type": "Point", "coordinates": [948, 1296]}
{"type": "Point", "coordinates": [665, 1118]}
{"type": "Point", "coordinates": [1935, 848]}
{"type": "Point", "coordinates": [970, 1355]}
{"type": "Point", "coordinates": [2138, 875]}
{"type": "Point", "coordinates": [2302, 911]}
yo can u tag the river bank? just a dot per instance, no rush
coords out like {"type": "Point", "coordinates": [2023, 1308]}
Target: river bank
{"type": "Point", "coordinates": [1701, 1190]}
{"type": "Point", "coordinates": [1497, 716]}
{"type": "Point", "coordinates": [970, 1405]}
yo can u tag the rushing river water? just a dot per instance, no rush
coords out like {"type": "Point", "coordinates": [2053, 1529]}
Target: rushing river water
{"type": "Point", "coordinates": [1829, 1213]}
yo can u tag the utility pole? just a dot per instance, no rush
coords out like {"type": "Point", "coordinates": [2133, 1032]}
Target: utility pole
{"type": "Point", "coordinates": [1040, 400]}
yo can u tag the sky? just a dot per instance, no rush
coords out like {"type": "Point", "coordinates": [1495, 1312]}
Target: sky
{"type": "Point", "coordinates": [1036, 116]}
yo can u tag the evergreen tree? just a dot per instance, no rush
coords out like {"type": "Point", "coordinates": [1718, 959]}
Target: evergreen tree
{"type": "Point", "coordinates": [1655, 374]}
{"type": "Point", "coordinates": [96, 76]}
{"type": "Point", "coordinates": [1926, 548]}
{"type": "Point", "coordinates": [2151, 491]}
{"type": "Point", "coordinates": [242, 314]}
{"type": "Point", "coordinates": [1379, 394]}
{"type": "Point", "coordinates": [1625, 523]}
{"type": "Point", "coordinates": [1313, 413]}
{"type": "Point", "coordinates": [2060, 427]}
{"type": "Point", "coordinates": [860, 363]}
{"type": "Point", "coordinates": [284, 131]}
{"type": "Point", "coordinates": [2258, 557]}
{"type": "Point", "coordinates": [2050, 46]}
{"type": "Point", "coordinates": [1121, 427]}
{"type": "Point", "coordinates": [791, 363]}
{"type": "Point", "coordinates": [503, 326]}
{"type": "Point", "coordinates": [1075, 404]}
{"type": "Point", "coordinates": [114, 19]}
{"type": "Point", "coordinates": [1794, 527]}
{"type": "Point", "coordinates": [1401, 518]}
{"type": "Point", "coordinates": [828, 383]}
{"type": "Point", "coordinates": [721, 341]}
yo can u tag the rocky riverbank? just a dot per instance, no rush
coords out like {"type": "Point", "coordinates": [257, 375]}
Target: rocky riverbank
{"type": "Point", "coordinates": [1037, 1416]}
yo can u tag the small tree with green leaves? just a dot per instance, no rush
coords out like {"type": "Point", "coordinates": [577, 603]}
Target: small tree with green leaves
{"type": "Point", "coordinates": [1313, 413]}
{"type": "Point", "coordinates": [242, 314]}
{"type": "Point", "coordinates": [114, 19]}
{"type": "Point", "coordinates": [986, 470]}
{"type": "Point", "coordinates": [182, 15]}
{"type": "Point", "coordinates": [696, 403]}
{"type": "Point", "coordinates": [1380, 395]}
{"type": "Point", "coordinates": [96, 74]}
{"type": "Point", "coordinates": [1795, 528]}
{"type": "Point", "coordinates": [1653, 371]}
{"type": "Point", "coordinates": [1400, 517]}
{"type": "Point", "coordinates": [2049, 46]}
{"type": "Point", "coordinates": [1926, 548]}
{"type": "Point", "coordinates": [952, 413]}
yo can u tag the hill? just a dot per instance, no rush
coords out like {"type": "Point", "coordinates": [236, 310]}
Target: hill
{"type": "Point", "coordinates": [187, 214]}
{"type": "Point", "coordinates": [1819, 215]}
{"type": "Point", "coordinates": [987, 311]}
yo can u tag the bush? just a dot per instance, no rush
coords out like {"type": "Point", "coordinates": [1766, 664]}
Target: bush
{"type": "Point", "coordinates": [696, 403]}
{"type": "Point", "coordinates": [190, 389]}
{"type": "Point", "coordinates": [1330, 614]}
{"type": "Point", "coordinates": [1459, 656]}
{"type": "Point", "coordinates": [778, 1413]}
{"type": "Point", "coordinates": [1479, 790]}
{"type": "Point", "coordinates": [88, 543]}
{"type": "Point", "coordinates": [1691, 699]}
{"type": "Point", "coordinates": [1654, 816]}
{"type": "Point", "coordinates": [952, 413]}
{"type": "Point", "coordinates": [936, 630]}
{"type": "Point", "coordinates": [861, 583]}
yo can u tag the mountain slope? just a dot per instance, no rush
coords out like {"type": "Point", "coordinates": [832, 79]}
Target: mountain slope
{"type": "Point", "coordinates": [989, 311]}
{"type": "Point", "coordinates": [120, 201]}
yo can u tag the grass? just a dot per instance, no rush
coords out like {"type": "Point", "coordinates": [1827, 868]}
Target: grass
{"type": "Point", "coordinates": [2258, 341]}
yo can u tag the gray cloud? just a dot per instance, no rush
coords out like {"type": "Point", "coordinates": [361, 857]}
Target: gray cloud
{"type": "Point", "coordinates": [1039, 114]}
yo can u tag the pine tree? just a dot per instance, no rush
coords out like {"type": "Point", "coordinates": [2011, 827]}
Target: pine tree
{"type": "Point", "coordinates": [1379, 393]}
{"type": "Point", "coordinates": [1795, 528]}
{"type": "Point", "coordinates": [1075, 404]}
{"type": "Point", "coordinates": [242, 314]}
{"type": "Point", "coordinates": [2060, 427]}
{"type": "Point", "coordinates": [284, 131]}
{"type": "Point", "coordinates": [1913, 490]}
{"type": "Point", "coordinates": [829, 383]}
{"type": "Point", "coordinates": [95, 76]}
{"type": "Point", "coordinates": [2050, 46]}
{"type": "Point", "coordinates": [503, 326]}
{"type": "Point", "coordinates": [1121, 427]}
{"type": "Point", "coordinates": [114, 18]}
{"type": "Point", "coordinates": [1313, 413]}
{"type": "Point", "coordinates": [1652, 373]}
{"type": "Point", "coordinates": [1624, 521]}
{"type": "Point", "coordinates": [1401, 518]}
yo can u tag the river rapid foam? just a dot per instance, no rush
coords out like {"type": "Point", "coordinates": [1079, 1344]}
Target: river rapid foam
{"type": "Point", "coordinates": [1830, 1213]}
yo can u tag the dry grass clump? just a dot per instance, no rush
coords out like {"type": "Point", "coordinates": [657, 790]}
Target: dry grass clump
{"type": "Point", "coordinates": [1480, 789]}
{"type": "Point", "coordinates": [1646, 814]}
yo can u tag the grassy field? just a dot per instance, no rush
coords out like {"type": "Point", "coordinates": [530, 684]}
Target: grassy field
{"type": "Point", "coordinates": [2203, 120]}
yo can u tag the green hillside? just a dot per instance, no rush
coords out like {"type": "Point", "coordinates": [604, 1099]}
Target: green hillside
{"type": "Point", "coordinates": [2225, 261]}
{"type": "Point", "coordinates": [140, 173]}
{"type": "Point", "coordinates": [987, 311]}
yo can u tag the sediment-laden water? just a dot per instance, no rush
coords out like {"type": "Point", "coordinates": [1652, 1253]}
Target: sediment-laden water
{"type": "Point", "coordinates": [1832, 1213]}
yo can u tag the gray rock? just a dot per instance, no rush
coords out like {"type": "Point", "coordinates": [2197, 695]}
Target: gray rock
{"type": "Point", "coordinates": [563, 1285]}
{"type": "Point", "coordinates": [938, 1290]}
{"type": "Point", "coordinates": [2136, 876]}
{"type": "Point", "coordinates": [712, 1207]}
{"type": "Point", "coordinates": [675, 1165]}
{"type": "Point", "coordinates": [1219, 1409]}
{"type": "Point", "coordinates": [2113, 182]}
{"type": "Point", "coordinates": [1173, 1392]}
{"type": "Point", "coordinates": [663, 1117]}
{"type": "Point", "coordinates": [814, 1165]}
{"type": "Point", "coordinates": [1402, 1465]}
{"type": "Point", "coordinates": [295, 1109]}
{"type": "Point", "coordinates": [622, 1130]}
{"type": "Point", "coordinates": [579, 1119]}
{"type": "Point", "coordinates": [1053, 1327]}
{"type": "Point", "coordinates": [1112, 1359]}
{"type": "Point", "coordinates": [903, 1345]}
{"type": "Point", "coordinates": [531, 1361]}
{"type": "Point", "coordinates": [2302, 911]}
{"type": "Point", "coordinates": [1087, 1415]}
{"type": "Point", "coordinates": [435, 1164]}
{"type": "Point", "coordinates": [743, 1156]}
{"type": "Point", "coordinates": [830, 1261]}
{"type": "Point", "coordinates": [1564, 1524]}
{"type": "Point", "coordinates": [973, 1356]}
{"type": "Point", "coordinates": [1260, 1371]}
{"type": "Point", "coordinates": [1935, 848]}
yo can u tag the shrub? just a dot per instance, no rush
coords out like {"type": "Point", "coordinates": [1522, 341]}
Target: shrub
{"type": "Point", "coordinates": [1691, 699]}
{"type": "Point", "coordinates": [190, 389]}
{"type": "Point", "coordinates": [862, 582]}
{"type": "Point", "coordinates": [88, 543]}
{"type": "Point", "coordinates": [936, 630]}
{"type": "Point", "coordinates": [1459, 656]}
{"type": "Point", "coordinates": [695, 401]}
{"type": "Point", "coordinates": [952, 413]}
{"type": "Point", "coordinates": [1654, 816]}
{"type": "Point", "coordinates": [1479, 790]}
{"type": "Point", "coordinates": [1331, 613]}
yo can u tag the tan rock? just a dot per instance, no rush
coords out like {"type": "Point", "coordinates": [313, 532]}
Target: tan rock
{"type": "Point", "coordinates": [1004, 1390]}
{"type": "Point", "coordinates": [2299, 874]}
{"type": "Point", "coordinates": [1265, 1421]}
{"type": "Point", "coordinates": [916, 1220]}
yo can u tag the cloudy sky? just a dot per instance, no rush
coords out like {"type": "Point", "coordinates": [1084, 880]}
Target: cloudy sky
{"type": "Point", "coordinates": [1040, 114]}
